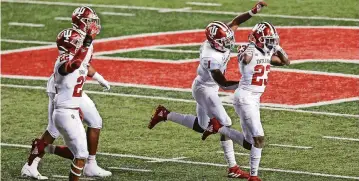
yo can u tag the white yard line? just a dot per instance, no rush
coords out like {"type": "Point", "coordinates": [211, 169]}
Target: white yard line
{"type": "Point", "coordinates": [173, 50]}
{"type": "Point", "coordinates": [236, 153]}
{"type": "Point", "coordinates": [118, 14]}
{"type": "Point", "coordinates": [184, 100]}
{"type": "Point", "coordinates": [67, 177]}
{"type": "Point", "coordinates": [166, 33]}
{"type": "Point", "coordinates": [203, 4]}
{"type": "Point", "coordinates": [185, 10]}
{"type": "Point", "coordinates": [322, 103]}
{"type": "Point", "coordinates": [145, 59]}
{"type": "Point", "coordinates": [291, 146]}
{"type": "Point", "coordinates": [206, 164]}
{"type": "Point", "coordinates": [315, 72]}
{"type": "Point", "coordinates": [324, 61]}
{"type": "Point", "coordinates": [63, 18]}
{"type": "Point", "coordinates": [26, 24]}
{"type": "Point", "coordinates": [130, 169]}
{"type": "Point", "coordinates": [340, 138]}
{"type": "Point", "coordinates": [27, 41]}
{"type": "Point", "coordinates": [158, 161]}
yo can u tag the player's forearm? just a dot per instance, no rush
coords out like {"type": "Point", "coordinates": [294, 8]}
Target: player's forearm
{"type": "Point", "coordinates": [230, 85]}
{"type": "Point", "coordinates": [239, 20]}
{"type": "Point", "coordinates": [91, 71]}
{"type": "Point", "coordinates": [76, 61]}
{"type": "Point", "coordinates": [283, 56]}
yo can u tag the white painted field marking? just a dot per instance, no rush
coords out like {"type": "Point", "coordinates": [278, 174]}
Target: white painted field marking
{"type": "Point", "coordinates": [67, 177]}
{"type": "Point", "coordinates": [322, 103]}
{"type": "Point", "coordinates": [315, 72]}
{"type": "Point", "coordinates": [168, 10]}
{"type": "Point", "coordinates": [236, 153]}
{"type": "Point", "coordinates": [189, 101]}
{"type": "Point", "coordinates": [130, 169]}
{"type": "Point", "coordinates": [26, 24]}
{"type": "Point", "coordinates": [292, 146]}
{"type": "Point", "coordinates": [203, 4]}
{"type": "Point", "coordinates": [173, 50]}
{"type": "Point", "coordinates": [205, 163]}
{"type": "Point", "coordinates": [324, 61]}
{"type": "Point", "coordinates": [145, 59]}
{"type": "Point", "coordinates": [186, 100]}
{"type": "Point", "coordinates": [341, 138]}
{"type": "Point", "coordinates": [118, 14]}
{"type": "Point", "coordinates": [158, 161]}
{"type": "Point", "coordinates": [171, 32]}
{"type": "Point", "coordinates": [184, 10]}
{"type": "Point", "coordinates": [27, 41]}
{"type": "Point", "coordinates": [63, 18]}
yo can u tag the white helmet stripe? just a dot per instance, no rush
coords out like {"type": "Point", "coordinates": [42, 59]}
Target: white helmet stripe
{"type": "Point", "coordinates": [217, 24]}
{"type": "Point", "coordinates": [273, 30]}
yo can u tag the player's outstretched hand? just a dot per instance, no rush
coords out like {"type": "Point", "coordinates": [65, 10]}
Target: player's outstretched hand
{"type": "Point", "coordinates": [106, 86]}
{"type": "Point", "coordinates": [258, 7]}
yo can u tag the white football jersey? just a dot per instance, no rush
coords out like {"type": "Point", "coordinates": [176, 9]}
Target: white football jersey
{"type": "Point", "coordinates": [255, 74]}
{"type": "Point", "coordinates": [68, 88]}
{"type": "Point", "coordinates": [50, 88]}
{"type": "Point", "coordinates": [210, 59]}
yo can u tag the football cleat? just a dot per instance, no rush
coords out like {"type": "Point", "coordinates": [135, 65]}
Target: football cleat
{"type": "Point", "coordinates": [30, 171]}
{"type": "Point", "coordinates": [160, 115]}
{"type": "Point", "coordinates": [254, 178]}
{"type": "Point", "coordinates": [37, 148]}
{"type": "Point", "coordinates": [212, 128]}
{"type": "Point", "coordinates": [236, 172]}
{"type": "Point", "coordinates": [93, 170]}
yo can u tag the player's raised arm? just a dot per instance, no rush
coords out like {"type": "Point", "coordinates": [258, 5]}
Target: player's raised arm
{"type": "Point", "coordinates": [73, 64]}
{"type": "Point", "coordinates": [246, 16]}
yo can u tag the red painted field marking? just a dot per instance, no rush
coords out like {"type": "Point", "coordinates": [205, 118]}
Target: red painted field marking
{"type": "Point", "coordinates": [284, 87]}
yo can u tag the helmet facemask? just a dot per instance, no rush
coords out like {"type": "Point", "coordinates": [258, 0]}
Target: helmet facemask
{"type": "Point", "coordinates": [226, 43]}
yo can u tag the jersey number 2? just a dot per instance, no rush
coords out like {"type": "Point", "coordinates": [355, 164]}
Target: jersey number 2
{"type": "Point", "coordinates": [259, 73]}
{"type": "Point", "coordinates": [78, 87]}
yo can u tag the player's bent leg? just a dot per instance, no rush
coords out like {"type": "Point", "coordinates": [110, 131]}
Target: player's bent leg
{"type": "Point", "coordinates": [234, 171]}
{"type": "Point", "coordinates": [255, 157]}
{"type": "Point", "coordinates": [30, 168]}
{"type": "Point", "coordinates": [163, 114]}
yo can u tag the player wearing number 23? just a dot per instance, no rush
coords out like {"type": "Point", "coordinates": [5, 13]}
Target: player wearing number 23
{"type": "Point", "coordinates": [254, 60]}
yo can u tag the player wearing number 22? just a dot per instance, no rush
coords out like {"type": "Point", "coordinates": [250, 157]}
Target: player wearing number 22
{"type": "Point", "coordinates": [254, 60]}
{"type": "Point", "coordinates": [214, 57]}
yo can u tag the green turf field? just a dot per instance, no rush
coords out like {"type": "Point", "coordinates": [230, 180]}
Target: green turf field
{"type": "Point", "coordinates": [126, 141]}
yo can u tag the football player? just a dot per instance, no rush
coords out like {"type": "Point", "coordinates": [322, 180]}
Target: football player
{"type": "Point", "coordinates": [255, 61]}
{"type": "Point", "coordinates": [214, 56]}
{"type": "Point", "coordinates": [91, 116]}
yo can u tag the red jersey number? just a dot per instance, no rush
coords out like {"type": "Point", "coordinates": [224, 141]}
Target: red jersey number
{"type": "Point", "coordinates": [78, 87]}
{"type": "Point", "coordinates": [260, 70]}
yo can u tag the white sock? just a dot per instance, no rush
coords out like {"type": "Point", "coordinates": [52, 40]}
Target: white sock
{"type": "Point", "coordinates": [182, 119]}
{"type": "Point", "coordinates": [233, 134]}
{"type": "Point", "coordinates": [35, 162]}
{"type": "Point", "coordinates": [229, 153]}
{"type": "Point", "coordinates": [50, 149]}
{"type": "Point", "coordinates": [91, 159]}
{"type": "Point", "coordinates": [255, 158]}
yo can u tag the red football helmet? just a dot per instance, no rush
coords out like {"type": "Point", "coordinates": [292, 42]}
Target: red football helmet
{"type": "Point", "coordinates": [220, 36]}
{"type": "Point", "coordinates": [85, 19]}
{"type": "Point", "coordinates": [264, 36]}
{"type": "Point", "coordinates": [69, 41]}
